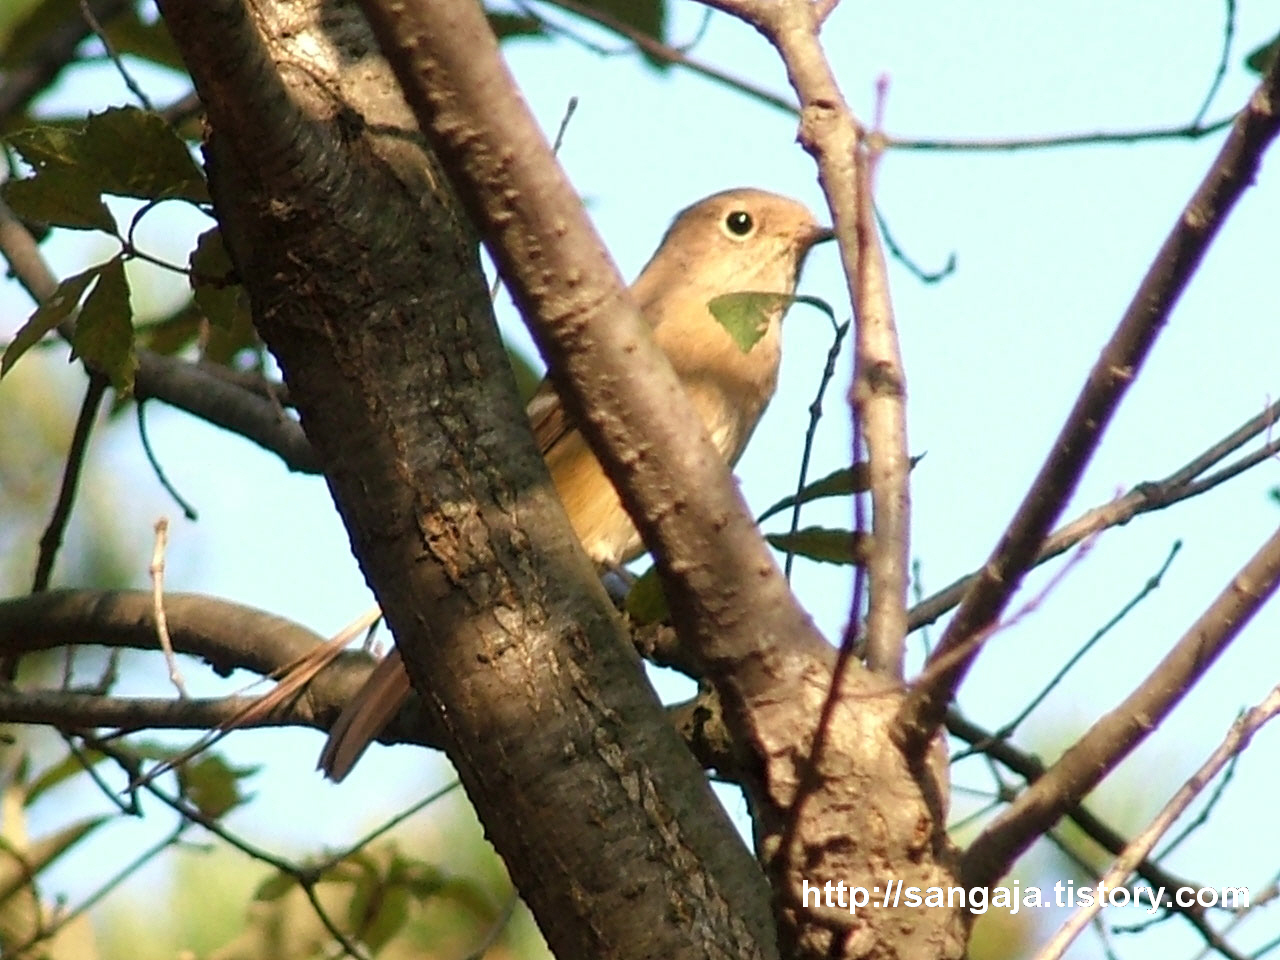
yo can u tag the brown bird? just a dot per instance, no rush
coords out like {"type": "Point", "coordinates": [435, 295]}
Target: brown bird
{"type": "Point", "coordinates": [738, 241]}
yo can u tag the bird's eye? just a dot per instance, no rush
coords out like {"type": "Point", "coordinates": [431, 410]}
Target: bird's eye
{"type": "Point", "coordinates": [739, 223]}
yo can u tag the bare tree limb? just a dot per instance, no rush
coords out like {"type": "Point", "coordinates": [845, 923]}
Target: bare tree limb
{"type": "Point", "coordinates": [1031, 769]}
{"type": "Point", "coordinates": [878, 397]}
{"type": "Point", "coordinates": [1182, 484]}
{"type": "Point", "coordinates": [1230, 175]}
{"type": "Point", "coordinates": [227, 635]}
{"type": "Point", "coordinates": [1237, 739]}
{"type": "Point", "coordinates": [1115, 735]}
{"type": "Point", "coordinates": [616, 382]}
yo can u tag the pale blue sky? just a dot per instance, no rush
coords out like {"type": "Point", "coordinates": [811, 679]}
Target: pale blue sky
{"type": "Point", "coordinates": [1049, 247]}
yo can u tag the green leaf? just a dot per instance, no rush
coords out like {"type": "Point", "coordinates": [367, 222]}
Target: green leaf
{"type": "Point", "coordinates": [823, 544]}
{"type": "Point", "coordinates": [746, 314]}
{"type": "Point", "coordinates": [134, 153]}
{"type": "Point", "coordinates": [1259, 60]}
{"type": "Point", "coordinates": [43, 145]}
{"type": "Point", "coordinates": [646, 603]}
{"type": "Point", "coordinates": [61, 197]}
{"type": "Point", "coordinates": [839, 483]}
{"type": "Point", "coordinates": [527, 376]}
{"type": "Point", "coordinates": [213, 785]}
{"type": "Point", "coordinates": [104, 331]}
{"type": "Point", "coordinates": [19, 867]}
{"type": "Point", "coordinates": [218, 293]}
{"type": "Point", "coordinates": [275, 886]}
{"type": "Point", "coordinates": [510, 26]}
{"type": "Point", "coordinates": [47, 316]}
{"type": "Point", "coordinates": [648, 17]}
{"type": "Point", "coordinates": [381, 925]}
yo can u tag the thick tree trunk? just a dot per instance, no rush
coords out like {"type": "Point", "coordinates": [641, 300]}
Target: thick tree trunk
{"type": "Point", "coordinates": [366, 285]}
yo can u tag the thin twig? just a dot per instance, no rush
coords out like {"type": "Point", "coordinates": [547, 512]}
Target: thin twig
{"type": "Point", "coordinates": [1031, 770]}
{"type": "Point", "coordinates": [1237, 739]}
{"type": "Point", "coordinates": [184, 505]}
{"type": "Point", "coordinates": [1143, 498]}
{"type": "Point", "coordinates": [156, 572]}
{"type": "Point", "coordinates": [305, 878]}
{"type": "Point", "coordinates": [496, 929]}
{"type": "Point", "coordinates": [1228, 32]}
{"type": "Point", "coordinates": [668, 54]}
{"type": "Point", "coordinates": [1116, 734]}
{"type": "Point", "coordinates": [811, 432]}
{"type": "Point", "coordinates": [51, 539]}
{"type": "Point", "coordinates": [92, 20]}
{"type": "Point", "coordinates": [1093, 138]}
{"type": "Point", "coordinates": [390, 824]}
{"type": "Point", "coordinates": [1201, 818]}
{"type": "Point", "coordinates": [917, 271]}
{"type": "Point", "coordinates": [1108, 383]}
{"type": "Point", "coordinates": [1008, 728]}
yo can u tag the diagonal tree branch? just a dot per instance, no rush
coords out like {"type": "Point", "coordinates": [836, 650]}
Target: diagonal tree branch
{"type": "Point", "coordinates": [366, 285]}
{"type": "Point", "coordinates": [1237, 739]}
{"type": "Point", "coordinates": [1185, 482]}
{"type": "Point", "coordinates": [1115, 735]}
{"type": "Point", "coordinates": [619, 388]}
{"type": "Point", "coordinates": [1116, 368]}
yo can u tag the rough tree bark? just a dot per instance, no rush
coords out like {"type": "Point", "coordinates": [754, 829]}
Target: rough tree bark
{"type": "Point", "coordinates": [365, 283]}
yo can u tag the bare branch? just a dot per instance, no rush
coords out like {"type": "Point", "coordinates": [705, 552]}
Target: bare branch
{"type": "Point", "coordinates": [879, 395]}
{"type": "Point", "coordinates": [1113, 736]}
{"type": "Point", "coordinates": [227, 635]}
{"type": "Point", "coordinates": [1119, 364]}
{"type": "Point", "coordinates": [1144, 498]}
{"type": "Point", "coordinates": [616, 382]}
{"type": "Point", "coordinates": [669, 54]}
{"type": "Point", "coordinates": [51, 539]}
{"type": "Point", "coordinates": [1237, 739]}
{"type": "Point", "coordinates": [1094, 138]}
{"type": "Point", "coordinates": [68, 710]}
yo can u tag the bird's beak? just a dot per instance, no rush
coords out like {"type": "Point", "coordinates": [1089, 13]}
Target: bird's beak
{"type": "Point", "coordinates": [821, 235]}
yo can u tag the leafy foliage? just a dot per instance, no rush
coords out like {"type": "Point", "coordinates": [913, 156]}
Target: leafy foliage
{"type": "Point", "coordinates": [48, 315]}
{"type": "Point", "coordinates": [839, 483]}
{"type": "Point", "coordinates": [104, 332]}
